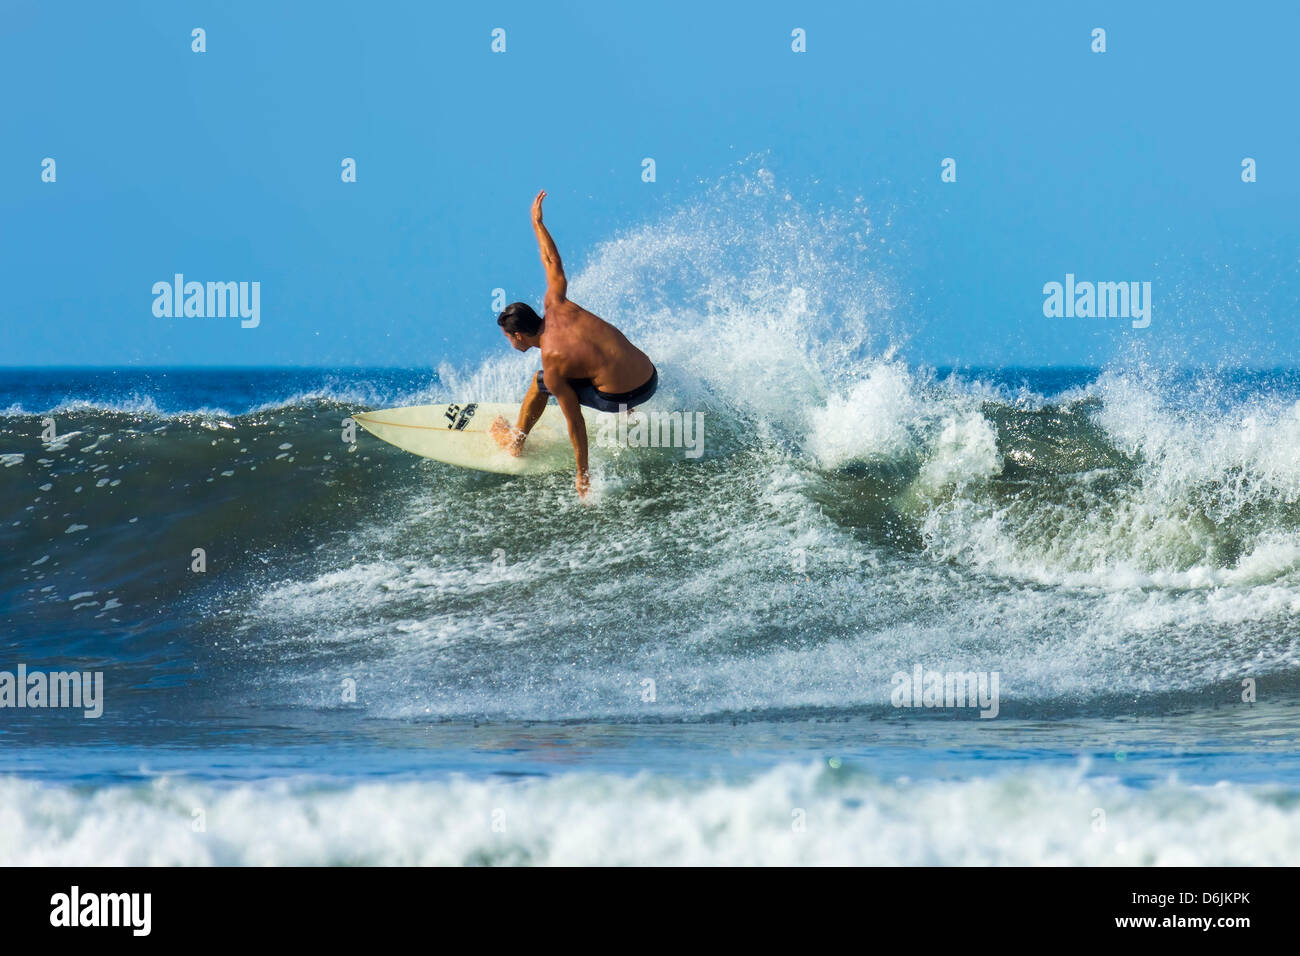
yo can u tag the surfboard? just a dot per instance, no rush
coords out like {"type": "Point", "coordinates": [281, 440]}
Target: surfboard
{"type": "Point", "coordinates": [458, 435]}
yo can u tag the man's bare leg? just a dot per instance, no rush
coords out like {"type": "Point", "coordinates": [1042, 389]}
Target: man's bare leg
{"type": "Point", "coordinates": [512, 439]}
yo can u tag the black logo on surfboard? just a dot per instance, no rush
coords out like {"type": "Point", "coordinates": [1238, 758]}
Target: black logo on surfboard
{"type": "Point", "coordinates": [458, 416]}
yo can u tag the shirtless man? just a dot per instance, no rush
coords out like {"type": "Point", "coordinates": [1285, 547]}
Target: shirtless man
{"type": "Point", "coordinates": [585, 360]}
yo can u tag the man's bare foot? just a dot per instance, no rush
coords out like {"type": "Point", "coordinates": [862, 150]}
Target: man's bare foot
{"type": "Point", "coordinates": [507, 436]}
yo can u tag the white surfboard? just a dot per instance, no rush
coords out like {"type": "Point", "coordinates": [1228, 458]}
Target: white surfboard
{"type": "Point", "coordinates": [458, 435]}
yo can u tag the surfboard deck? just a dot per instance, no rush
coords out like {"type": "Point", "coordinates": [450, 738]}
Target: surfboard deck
{"type": "Point", "coordinates": [457, 434]}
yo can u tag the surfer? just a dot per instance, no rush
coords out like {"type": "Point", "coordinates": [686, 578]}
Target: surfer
{"type": "Point", "coordinates": [585, 360]}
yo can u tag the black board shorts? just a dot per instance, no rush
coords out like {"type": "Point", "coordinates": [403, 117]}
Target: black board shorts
{"type": "Point", "coordinates": [592, 397]}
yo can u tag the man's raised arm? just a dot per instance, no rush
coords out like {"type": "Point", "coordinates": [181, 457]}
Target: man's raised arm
{"type": "Point", "coordinates": [556, 284]}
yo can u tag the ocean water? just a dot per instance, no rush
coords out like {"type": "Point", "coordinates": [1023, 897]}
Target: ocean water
{"type": "Point", "coordinates": [696, 665]}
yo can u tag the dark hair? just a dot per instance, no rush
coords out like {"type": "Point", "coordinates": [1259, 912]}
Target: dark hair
{"type": "Point", "coordinates": [520, 317]}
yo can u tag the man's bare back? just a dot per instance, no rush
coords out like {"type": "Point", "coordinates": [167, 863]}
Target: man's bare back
{"type": "Point", "coordinates": [585, 360]}
{"type": "Point", "coordinates": [580, 344]}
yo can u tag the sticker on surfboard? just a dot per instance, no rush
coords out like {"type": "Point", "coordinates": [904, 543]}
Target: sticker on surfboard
{"type": "Point", "coordinates": [458, 416]}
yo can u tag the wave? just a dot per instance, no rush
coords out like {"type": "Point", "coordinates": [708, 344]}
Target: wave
{"type": "Point", "coordinates": [791, 815]}
{"type": "Point", "coordinates": [1111, 486]}
{"type": "Point", "coordinates": [1090, 535]}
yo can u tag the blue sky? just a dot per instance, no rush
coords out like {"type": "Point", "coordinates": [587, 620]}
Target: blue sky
{"type": "Point", "coordinates": [225, 166]}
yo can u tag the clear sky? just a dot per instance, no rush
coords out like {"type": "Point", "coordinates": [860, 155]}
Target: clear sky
{"type": "Point", "coordinates": [225, 165]}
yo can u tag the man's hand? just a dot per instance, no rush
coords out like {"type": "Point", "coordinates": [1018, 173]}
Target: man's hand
{"type": "Point", "coordinates": [537, 207]}
{"type": "Point", "coordinates": [582, 483]}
